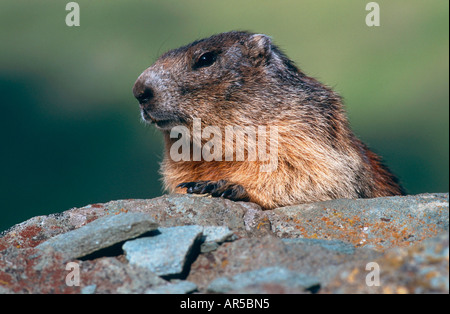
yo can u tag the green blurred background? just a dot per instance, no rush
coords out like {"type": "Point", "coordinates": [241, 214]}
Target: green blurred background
{"type": "Point", "coordinates": [70, 128]}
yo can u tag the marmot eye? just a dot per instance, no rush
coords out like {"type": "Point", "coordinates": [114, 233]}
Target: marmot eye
{"type": "Point", "coordinates": [205, 60]}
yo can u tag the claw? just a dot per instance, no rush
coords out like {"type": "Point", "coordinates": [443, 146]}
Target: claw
{"type": "Point", "coordinates": [220, 188]}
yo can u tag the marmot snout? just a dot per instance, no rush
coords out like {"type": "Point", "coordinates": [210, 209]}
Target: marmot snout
{"type": "Point", "coordinates": [243, 79]}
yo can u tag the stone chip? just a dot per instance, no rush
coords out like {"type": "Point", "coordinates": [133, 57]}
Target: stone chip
{"type": "Point", "coordinates": [99, 234]}
{"type": "Point", "coordinates": [164, 254]}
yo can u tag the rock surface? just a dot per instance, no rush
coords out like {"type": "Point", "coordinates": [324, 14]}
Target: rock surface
{"type": "Point", "coordinates": [164, 254]}
{"type": "Point", "coordinates": [100, 234]}
{"type": "Point", "coordinates": [378, 223]}
{"type": "Point", "coordinates": [262, 276]}
{"type": "Point", "coordinates": [215, 245]}
{"type": "Point", "coordinates": [250, 254]}
{"type": "Point", "coordinates": [181, 287]}
{"type": "Point", "coordinates": [422, 268]}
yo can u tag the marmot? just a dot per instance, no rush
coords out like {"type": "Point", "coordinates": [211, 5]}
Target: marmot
{"type": "Point", "coordinates": [243, 79]}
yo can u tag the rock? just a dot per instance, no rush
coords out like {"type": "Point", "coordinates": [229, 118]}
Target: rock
{"type": "Point", "coordinates": [263, 276]}
{"type": "Point", "coordinates": [45, 271]}
{"type": "Point", "coordinates": [180, 287]}
{"type": "Point", "coordinates": [33, 271]}
{"type": "Point", "coordinates": [321, 260]}
{"type": "Point", "coordinates": [214, 236]}
{"type": "Point", "coordinates": [110, 275]}
{"type": "Point", "coordinates": [422, 268]}
{"type": "Point", "coordinates": [331, 245]}
{"type": "Point", "coordinates": [99, 234]}
{"type": "Point", "coordinates": [168, 211]}
{"type": "Point", "coordinates": [379, 223]}
{"type": "Point", "coordinates": [185, 209]}
{"type": "Point", "coordinates": [225, 245]}
{"type": "Point", "coordinates": [217, 234]}
{"type": "Point", "coordinates": [89, 289]}
{"type": "Point", "coordinates": [165, 254]}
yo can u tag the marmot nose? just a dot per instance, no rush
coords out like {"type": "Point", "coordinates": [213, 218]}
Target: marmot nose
{"type": "Point", "coordinates": [143, 93]}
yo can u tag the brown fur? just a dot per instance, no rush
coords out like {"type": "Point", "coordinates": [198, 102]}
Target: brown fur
{"type": "Point", "coordinates": [252, 83]}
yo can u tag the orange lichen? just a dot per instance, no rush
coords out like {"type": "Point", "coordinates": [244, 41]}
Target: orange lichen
{"type": "Point", "coordinates": [5, 278]}
{"type": "Point", "coordinates": [265, 221]}
{"type": "Point", "coordinates": [386, 232]}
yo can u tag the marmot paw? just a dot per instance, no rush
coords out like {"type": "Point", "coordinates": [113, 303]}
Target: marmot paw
{"type": "Point", "coordinates": [221, 188]}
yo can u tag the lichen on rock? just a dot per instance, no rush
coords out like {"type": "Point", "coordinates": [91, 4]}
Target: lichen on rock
{"type": "Point", "coordinates": [184, 244]}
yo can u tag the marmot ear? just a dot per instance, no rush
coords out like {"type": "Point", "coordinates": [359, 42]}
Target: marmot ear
{"type": "Point", "coordinates": [259, 46]}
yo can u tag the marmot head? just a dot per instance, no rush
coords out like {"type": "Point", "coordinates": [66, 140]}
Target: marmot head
{"type": "Point", "coordinates": [229, 78]}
